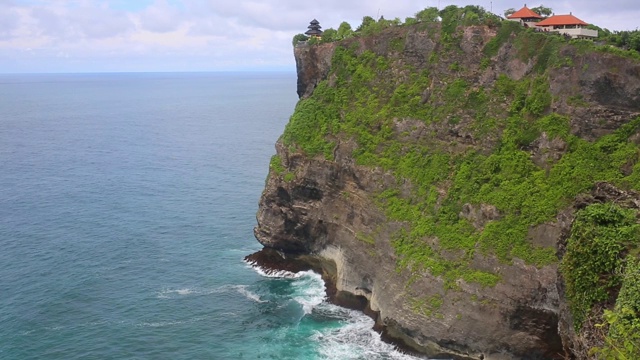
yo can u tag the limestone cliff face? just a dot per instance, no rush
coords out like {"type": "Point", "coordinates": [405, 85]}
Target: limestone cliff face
{"type": "Point", "coordinates": [327, 208]}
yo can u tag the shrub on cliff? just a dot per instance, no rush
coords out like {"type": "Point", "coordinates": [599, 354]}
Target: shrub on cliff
{"type": "Point", "coordinates": [299, 38]}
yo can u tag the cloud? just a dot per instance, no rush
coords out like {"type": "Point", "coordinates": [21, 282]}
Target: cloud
{"type": "Point", "coordinates": [161, 17]}
{"type": "Point", "coordinates": [87, 20]}
{"type": "Point", "coordinates": [8, 21]}
{"type": "Point", "coordinates": [156, 35]}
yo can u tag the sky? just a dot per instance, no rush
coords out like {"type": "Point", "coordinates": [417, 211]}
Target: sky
{"type": "Point", "coordinates": [40, 36]}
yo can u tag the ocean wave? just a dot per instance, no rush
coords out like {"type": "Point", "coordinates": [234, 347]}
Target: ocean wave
{"type": "Point", "coordinates": [309, 290]}
{"type": "Point", "coordinates": [168, 293]}
{"type": "Point", "coordinates": [270, 273]}
{"type": "Point", "coordinates": [355, 339]}
{"type": "Point", "coordinates": [242, 289]}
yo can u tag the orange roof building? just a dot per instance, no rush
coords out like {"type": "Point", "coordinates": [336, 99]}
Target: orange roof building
{"type": "Point", "coordinates": [525, 14]}
{"type": "Point", "coordinates": [568, 25]}
{"type": "Point", "coordinates": [562, 20]}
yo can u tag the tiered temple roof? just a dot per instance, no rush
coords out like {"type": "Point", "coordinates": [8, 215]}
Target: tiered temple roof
{"type": "Point", "coordinates": [314, 28]}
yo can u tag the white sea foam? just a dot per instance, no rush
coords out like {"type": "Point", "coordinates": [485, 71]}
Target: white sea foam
{"type": "Point", "coordinates": [355, 339]}
{"type": "Point", "coordinates": [273, 273]}
{"type": "Point", "coordinates": [184, 291]}
{"type": "Point", "coordinates": [242, 289]}
{"type": "Point", "coordinates": [309, 290]}
{"type": "Point", "coordinates": [167, 293]}
{"type": "Point", "coordinates": [176, 293]}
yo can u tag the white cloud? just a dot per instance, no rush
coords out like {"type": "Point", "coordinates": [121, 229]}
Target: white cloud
{"type": "Point", "coordinates": [161, 17]}
{"type": "Point", "coordinates": [83, 20]}
{"type": "Point", "coordinates": [8, 22]}
{"type": "Point", "coordinates": [93, 35]}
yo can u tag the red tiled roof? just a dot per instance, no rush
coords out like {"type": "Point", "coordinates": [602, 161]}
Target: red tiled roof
{"type": "Point", "coordinates": [524, 13]}
{"type": "Point", "coordinates": [561, 20]}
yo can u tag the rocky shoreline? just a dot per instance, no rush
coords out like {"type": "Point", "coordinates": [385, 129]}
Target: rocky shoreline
{"type": "Point", "coordinates": [272, 262]}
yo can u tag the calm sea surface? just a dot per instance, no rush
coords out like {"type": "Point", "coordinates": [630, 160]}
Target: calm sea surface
{"type": "Point", "coordinates": [127, 203]}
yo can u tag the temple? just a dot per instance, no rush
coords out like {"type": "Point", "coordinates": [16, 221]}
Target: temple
{"type": "Point", "coordinates": [314, 29]}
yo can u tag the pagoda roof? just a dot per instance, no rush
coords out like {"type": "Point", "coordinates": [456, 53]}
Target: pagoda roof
{"type": "Point", "coordinates": [557, 20]}
{"type": "Point", "coordinates": [314, 28]}
{"type": "Point", "coordinates": [313, 32]}
{"type": "Point", "coordinates": [525, 13]}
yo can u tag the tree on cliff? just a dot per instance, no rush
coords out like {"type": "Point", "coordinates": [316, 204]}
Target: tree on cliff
{"type": "Point", "coordinates": [543, 11]}
{"type": "Point", "coordinates": [330, 35]}
{"type": "Point", "coordinates": [367, 21]}
{"type": "Point", "coordinates": [298, 38]}
{"type": "Point", "coordinates": [429, 14]}
{"type": "Point", "coordinates": [344, 30]}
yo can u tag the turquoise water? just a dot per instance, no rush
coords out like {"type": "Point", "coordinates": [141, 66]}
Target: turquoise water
{"type": "Point", "coordinates": [127, 203]}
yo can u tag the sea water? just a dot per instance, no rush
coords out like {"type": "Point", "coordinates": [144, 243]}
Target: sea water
{"type": "Point", "coordinates": [127, 203]}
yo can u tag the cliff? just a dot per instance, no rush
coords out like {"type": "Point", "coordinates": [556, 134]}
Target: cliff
{"type": "Point", "coordinates": [435, 176]}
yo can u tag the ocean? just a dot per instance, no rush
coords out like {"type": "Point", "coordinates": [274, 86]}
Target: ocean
{"type": "Point", "coordinates": [127, 203]}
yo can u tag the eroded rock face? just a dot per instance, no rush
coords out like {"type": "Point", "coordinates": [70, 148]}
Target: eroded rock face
{"type": "Point", "coordinates": [328, 213]}
{"type": "Point", "coordinates": [312, 64]}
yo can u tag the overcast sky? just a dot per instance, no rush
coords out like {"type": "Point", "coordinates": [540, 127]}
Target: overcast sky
{"type": "Point", "coordinates": [211, 35]}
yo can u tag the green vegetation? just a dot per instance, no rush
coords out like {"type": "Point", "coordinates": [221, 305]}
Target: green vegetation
{"type": "Point", "coordinates": [542, 10]}
{"type": "Point", "coordinates": [622, 339]}
{"type": "Point", "coordinates": [299, 38]}
{"type": "Point", "coordinates": [595, 260]}
{"type": "Point", "coordinates": [308, 128]}
{"type": "Point", "coordinates": [289, 177]}
{"type": "Point", "coordinates": [503, 35]}
{"type": "Point", "coordinates": [627, 40]}
{"type": "Point", "coordinates": [451, 17]}
{"type": "Point", "coordinates": [366, 238]}
{"type": "Point", "coordinates": [276, 166]}
{"type": "Point", "coordinates": [427, 306]}
{"type": "Point", "coordinates": [362, 103]}
{"type": "Point", "coordinates": [603, 257]}
{"type": "Point", "coordinates": [430, 14]}
{"type": "Point", "coordinates": [344, 31]}
{"type": "Point", "coordinates": [622, 43]}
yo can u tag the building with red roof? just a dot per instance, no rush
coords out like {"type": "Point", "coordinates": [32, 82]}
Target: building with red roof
{"type": "Point", "coordinates": [525, 16]}
{"type": "Point", "coordinates": [567, 25]}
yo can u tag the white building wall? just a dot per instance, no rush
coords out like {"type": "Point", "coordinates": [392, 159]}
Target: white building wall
{"type": "Point", "coordinates": [574, 33]}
